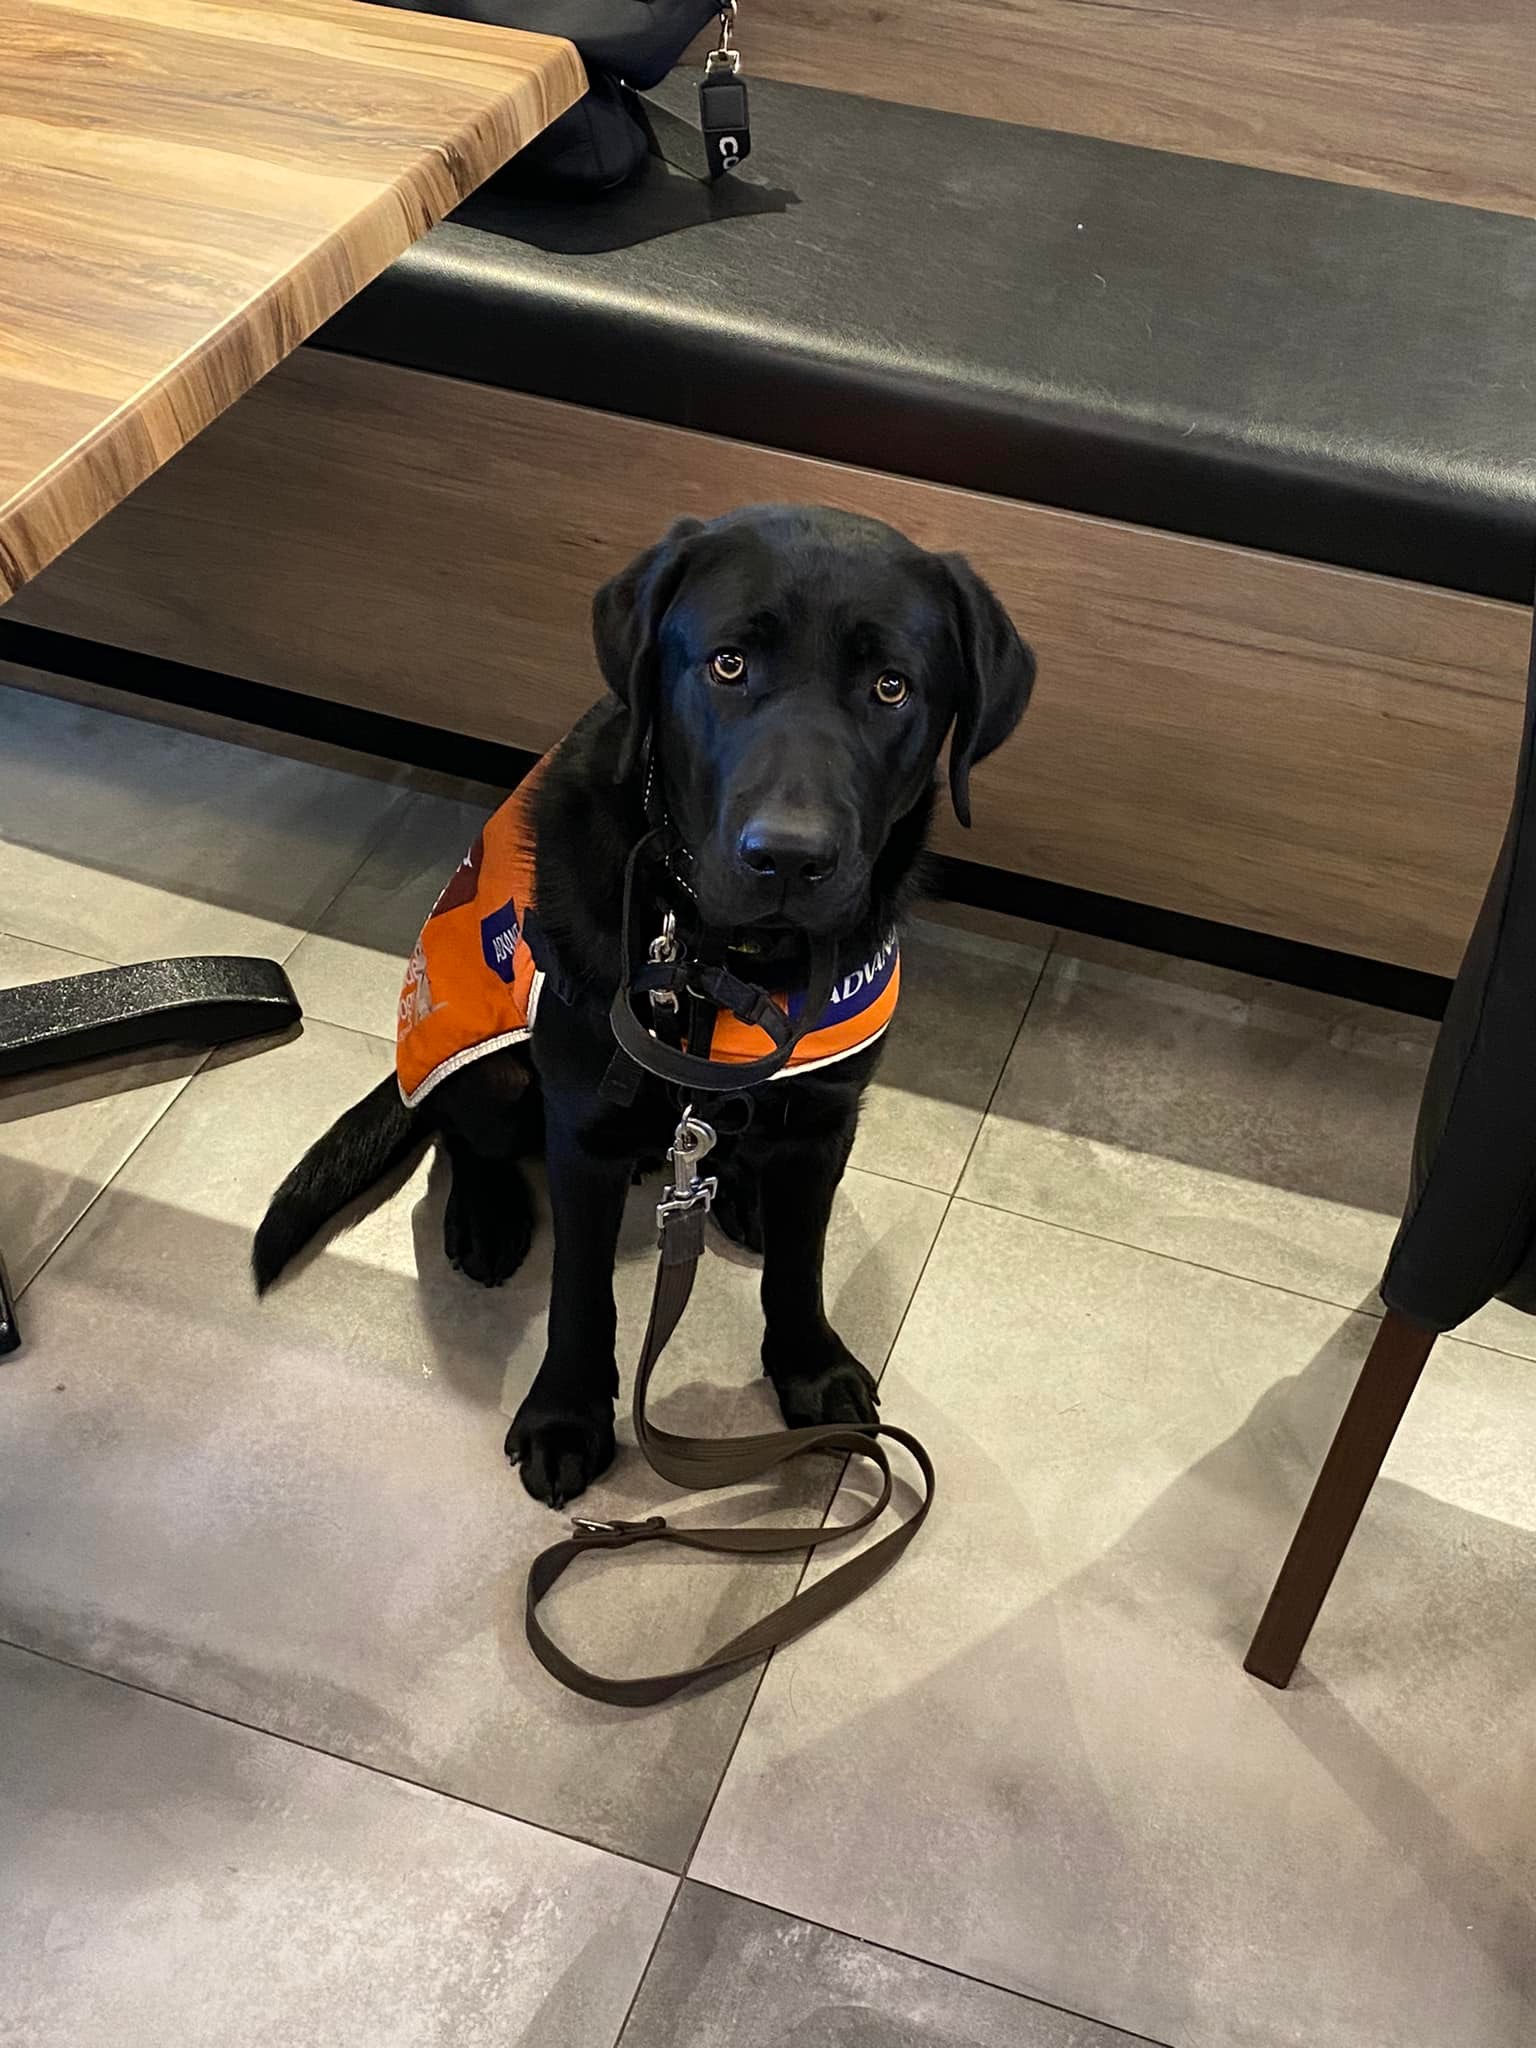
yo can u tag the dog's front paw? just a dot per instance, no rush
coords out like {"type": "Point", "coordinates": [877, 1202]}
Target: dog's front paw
{"type": "Point", "coordinates": [838, 1390]}
{"type": "Point", "coordinates": [557, 1453]}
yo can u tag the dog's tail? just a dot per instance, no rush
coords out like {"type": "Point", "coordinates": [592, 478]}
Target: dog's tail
{"type": "Point", "coordinates": [359, 1149]}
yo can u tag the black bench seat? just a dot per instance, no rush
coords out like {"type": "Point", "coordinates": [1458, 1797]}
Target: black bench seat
{"type": "Point", "coordinates": [1319, 370]}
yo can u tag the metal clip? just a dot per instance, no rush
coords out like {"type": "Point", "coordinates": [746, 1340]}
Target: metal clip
{"type": "Point", "coordinates": [585, 1525]}
{"type": "Point", "coordinates": [724, 56]}
{"type": "Point", "coordinates": [692, 1142]}
{"type": "Point", "coordinates": [662, 952]}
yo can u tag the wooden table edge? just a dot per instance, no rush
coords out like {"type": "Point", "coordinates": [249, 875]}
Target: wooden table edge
{"type": "Point", "coordinates": [123, 451]}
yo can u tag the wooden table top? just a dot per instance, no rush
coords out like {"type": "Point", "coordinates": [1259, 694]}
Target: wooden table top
{"type": "Point", "coordinates": [188, 188]}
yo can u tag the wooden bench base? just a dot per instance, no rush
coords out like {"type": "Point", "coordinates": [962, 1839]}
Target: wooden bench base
{"type": "Point", "coordinates": [1304, 751]}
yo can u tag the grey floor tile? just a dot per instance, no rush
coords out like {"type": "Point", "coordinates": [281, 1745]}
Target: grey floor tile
{"type": "Point", "coordinates": [963, 996]}
{"type": "Point", "coordinates": [298, 1514]}
{"type": "Point", "coordinates": [64, 1133]}
{"type": "Point", "coordinates": [1234, 1122]}
{"type": "Point", "coordinates": [1031, 1754]}
{"type": "Point", "coordinates": [169, 1877]}
{"type": "Point", "coordinates": [729, 1974]}
{"type": "Point", "coordinates": [265, 739]}
{"type": "Point", "coordinates": [192, 718]}
{"type": "Point", "coordinates": [348, 971]}
{"type": "Point", "coordinates": [124, 840]}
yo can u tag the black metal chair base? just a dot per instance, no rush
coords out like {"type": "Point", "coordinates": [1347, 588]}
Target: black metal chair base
{"type": "Point", "coordinates": [202, 1000]}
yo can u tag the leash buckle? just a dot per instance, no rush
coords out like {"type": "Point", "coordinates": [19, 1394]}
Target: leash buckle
{"type": "Point", "coordinates": [692, 1141]}
{"type": "Point", "coordinates": [585, 1525]}
{"type": "Point", "coordinates": [688, 1189]}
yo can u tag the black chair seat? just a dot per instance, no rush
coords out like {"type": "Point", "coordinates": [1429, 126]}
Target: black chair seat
{"type": "Point", "coordinates": [1315, 369]}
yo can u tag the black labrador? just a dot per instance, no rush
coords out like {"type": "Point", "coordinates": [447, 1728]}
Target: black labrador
{"type": "Point", "coordinates": [783, 680]}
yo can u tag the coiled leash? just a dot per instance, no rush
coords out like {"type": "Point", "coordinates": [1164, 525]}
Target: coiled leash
{"type": "Point", "coordinates": [702, 1464]}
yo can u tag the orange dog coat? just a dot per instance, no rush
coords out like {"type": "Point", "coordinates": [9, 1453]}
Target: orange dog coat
{"type": "Point", "coordinates": [472, 985]}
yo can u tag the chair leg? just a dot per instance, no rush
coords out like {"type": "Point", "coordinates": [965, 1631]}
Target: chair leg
{"type": "Point", "coordinates": [1376, 1407]}
{"type": "Point", "coordinates": [10, 1329]}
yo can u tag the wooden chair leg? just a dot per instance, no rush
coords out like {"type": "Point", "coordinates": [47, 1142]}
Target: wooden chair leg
{"type": "Point", "coordinates": [1376, 1407]}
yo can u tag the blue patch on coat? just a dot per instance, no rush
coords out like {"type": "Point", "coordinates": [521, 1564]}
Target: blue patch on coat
{"type": "Point", "coordinates": [499, 936]}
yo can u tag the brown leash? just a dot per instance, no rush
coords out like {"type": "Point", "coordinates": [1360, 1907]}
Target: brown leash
{"type": "Point", "coordinates": [701, 1463]}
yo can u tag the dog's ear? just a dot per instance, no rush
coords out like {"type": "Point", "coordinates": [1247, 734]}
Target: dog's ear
{"type": "Point", "coordinates": [997, 675]}
{"type": "Point", "coordinates": [626, 622]}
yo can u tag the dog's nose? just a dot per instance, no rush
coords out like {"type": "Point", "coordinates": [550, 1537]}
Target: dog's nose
{"type": "Point", "coordinates": [787, 847]}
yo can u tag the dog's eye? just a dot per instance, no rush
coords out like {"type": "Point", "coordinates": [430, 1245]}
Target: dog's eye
{"type": "Point", "coordinates": [892, 688]}
{"type": "Point", "coordinates": [728, 665]}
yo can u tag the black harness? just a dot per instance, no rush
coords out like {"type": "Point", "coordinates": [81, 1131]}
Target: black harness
{"type": "Point", "coordinates": [667, 977]}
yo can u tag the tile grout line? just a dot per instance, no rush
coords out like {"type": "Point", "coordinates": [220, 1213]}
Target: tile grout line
{"type": "Point", "coordinates": [111, 1180]}
{"type": "Point", "coordinates": [1374, 1314]}
{"type": "Point", "coordinates": [927, 1963]}
{"type": "Point", "coordinates": [346, 1763]}
{"type": "Point", "coordinates": [649, 1964]}
{"type": "Point", "coordinates": [1128, 1244]}
{"type": "Point", "coordinates": [1002, 1072]}
{"type": "Point", "coordinates": [1194, 1265]}
{"type": "Point", "coordinates": [91, 963]}
{"type": "Point", "coordinates": [209, 1054]}
{"type": "Point", "coordinates": [949, 1201]}
{"type": "Point", "coordinates": [309, 932]}
{"type": "Point", "coordinates": [836, 1488]}
{"type": "Point", "coordinates": [372, 842]}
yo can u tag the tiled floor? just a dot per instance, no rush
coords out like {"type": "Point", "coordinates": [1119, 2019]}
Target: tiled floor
{"type": "Point", "coordinates": [275, 1766]}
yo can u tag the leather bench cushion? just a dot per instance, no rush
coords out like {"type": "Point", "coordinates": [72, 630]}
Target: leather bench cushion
{"type": "Point", "coordinates": [1315, 369]}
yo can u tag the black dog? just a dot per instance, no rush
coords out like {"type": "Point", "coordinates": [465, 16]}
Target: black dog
{"type": "Point", "coordinates": [783, 681]}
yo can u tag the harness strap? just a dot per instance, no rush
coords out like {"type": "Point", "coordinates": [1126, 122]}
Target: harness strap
{"type": "Point", "coordinates": [718, 987]}
{"type": "Point", "coordinates": [689, 1070]}
{"type": "Point", "coordinates": [703, 1463]}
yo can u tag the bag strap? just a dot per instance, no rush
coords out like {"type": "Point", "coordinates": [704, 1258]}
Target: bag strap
{"type": "Point", "coordinates": [725, 119]}
{"type": "Point", "coordinates": [703, 1463]}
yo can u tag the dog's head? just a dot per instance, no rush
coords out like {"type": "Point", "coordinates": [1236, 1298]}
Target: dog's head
{"type": "Point", "coordinates": [796, 672]}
